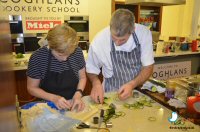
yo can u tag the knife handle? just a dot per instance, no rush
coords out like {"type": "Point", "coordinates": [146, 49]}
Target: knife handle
{"type": "Point", "coordinates": [102, 113]}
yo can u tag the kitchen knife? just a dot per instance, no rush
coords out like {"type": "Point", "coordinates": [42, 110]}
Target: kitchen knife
{"type": "Point", "coordinates": [101, 117]}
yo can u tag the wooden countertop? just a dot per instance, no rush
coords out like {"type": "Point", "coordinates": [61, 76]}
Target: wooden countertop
{"type": "Point", "coordinates": [137, 120]}
{"type": "Point", "coordinates": [22, 63]}
{"type": "Point", "coordinates": [174, 54]}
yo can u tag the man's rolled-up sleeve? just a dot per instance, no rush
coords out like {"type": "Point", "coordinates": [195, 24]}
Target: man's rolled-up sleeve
{"type": "Point", "coordinates": [93, 64]}
{"type": "Point", "coordinates": [147, 56]}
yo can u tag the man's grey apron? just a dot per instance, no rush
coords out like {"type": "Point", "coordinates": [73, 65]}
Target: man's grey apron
{"type": "Point", "coordinates": [126, 66]}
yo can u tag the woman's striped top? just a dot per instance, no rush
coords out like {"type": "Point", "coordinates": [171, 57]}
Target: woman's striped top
{"type": "Point", "coordinates": [38, 63]}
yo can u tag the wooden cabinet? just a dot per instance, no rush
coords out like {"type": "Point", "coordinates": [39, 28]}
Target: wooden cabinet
{"type": "Point", "coordinates": [150, 16]}
{"type": "Point", "coordinates": [132, 8]}
{"type": "Point", "coordinates": [21, 87]}
{"type": "Point", "coordinates": [22, 92]}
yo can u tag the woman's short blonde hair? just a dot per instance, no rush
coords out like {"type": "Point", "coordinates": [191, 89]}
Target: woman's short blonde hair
{"type": "Point", "coordinates": [122, 22]}
{"type": "Point", "coordinates": [62, 38]}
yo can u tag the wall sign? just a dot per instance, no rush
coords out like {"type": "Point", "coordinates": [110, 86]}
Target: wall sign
{"type": "Point", "coordinates": [41, 25]}
{"type": "Point", "coordinates": [42, 10]}
{"type": "Point", "coordinates": [40, 5]}
{"type": "Point", "coordinates": [171, 70]}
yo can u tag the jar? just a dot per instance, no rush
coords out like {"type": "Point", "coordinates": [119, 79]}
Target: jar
{"type": "Point", "coordinates": [170, 89]}
{"type": "Point", "coordinates": [193, 89]}
{"type": "Point", "coordinates": [194, 45]}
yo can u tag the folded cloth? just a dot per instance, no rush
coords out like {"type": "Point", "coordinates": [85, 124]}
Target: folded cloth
{"type": "Point", "coordinates": [148, 85]}
{"type": "Point", "coordinates": [176, 103]}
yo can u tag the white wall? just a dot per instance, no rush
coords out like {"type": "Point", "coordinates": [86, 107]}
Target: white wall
{"type": "Point", "coordinates": [195, 28]}
{"type": "Point", "coordinates": [100, 14]}
{"type": "Point", "coordinates": [177, 20]}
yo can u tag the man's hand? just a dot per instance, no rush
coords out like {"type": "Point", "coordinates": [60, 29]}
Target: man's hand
{"type": "Point", "coordinates": [62, 103]}
{"type": "Point", "coordinates": [125, 91]}
{"type": "Point", "coordinates": [77, 102]}
{"type": "Point", "coordinates": [97, 93]}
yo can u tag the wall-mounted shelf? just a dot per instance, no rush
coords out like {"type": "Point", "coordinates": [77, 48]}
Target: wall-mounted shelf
{"type": "Point", "coordinates": [150, 16]}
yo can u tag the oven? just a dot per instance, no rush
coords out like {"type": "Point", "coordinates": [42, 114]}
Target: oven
{"type": "Point", "coordinates": [80, 24]}
{"type": "Point", "coordinates": [31, 42]}
{"type": "Point", "coordinates": [16, 26]}
{"type": "Point", "coordinates": [17, 36]}
{"type": "Point", "coordinates": [18, 43]}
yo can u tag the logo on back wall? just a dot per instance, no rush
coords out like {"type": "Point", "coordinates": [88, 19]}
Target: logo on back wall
{"type": "Point", "coordinates": [41, 25]}
{"type": "Point", "coordinates": [178, 122]}
{"type": "Point", "coordinates": [173, 118]}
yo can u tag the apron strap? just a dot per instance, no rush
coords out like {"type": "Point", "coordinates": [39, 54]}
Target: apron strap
{"type": "Point", "coordinates": [135, 38]}
{"type": "Point", "coordinates": [49, 62]}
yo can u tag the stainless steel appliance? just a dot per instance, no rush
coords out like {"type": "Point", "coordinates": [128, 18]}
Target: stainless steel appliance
{"type": "Point", "coordinates": [15, 24]}
{"type": "Point", "coordinates": [16, 30]}
{"type": "Point", "coordinates": [31, 42]}
{"type": "Point", "coordinates": [18, 43]}
{"type": "Point", "coordinates": [80, 24]}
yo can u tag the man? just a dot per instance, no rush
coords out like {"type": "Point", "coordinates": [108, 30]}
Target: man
{"type": "Point", "coordinates": [125, 54]}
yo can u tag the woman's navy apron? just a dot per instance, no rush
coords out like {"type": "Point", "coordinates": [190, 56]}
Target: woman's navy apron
{"type": "Point", "coordinates": [63, 84]}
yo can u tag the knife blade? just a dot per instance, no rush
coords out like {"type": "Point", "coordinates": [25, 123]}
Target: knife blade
{"type": "Point", "coordinates": [101, 117]}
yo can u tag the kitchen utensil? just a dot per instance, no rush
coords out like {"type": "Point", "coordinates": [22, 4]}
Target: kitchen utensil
{"type": "Point", "coordinates": [135, 95]}
{"type": "Point", "coordinates": [101, 117]}
{"type": "Point", "coordinates": [109, 124]}
{"type": "Point", "coordinates": [83, 125]}
{"type": "Point", "coordinates": [95, 120]}
{"type": "Point", "coordinates": [193, 88]}
{"type": "Point", "coordinates": [193, 104]}
{"type": "Point", "coordinates": [197, 106]}
{"type": "Point", "coordinates": [194, 45]}
{"type": "Point", "coordinates": [184, 46]}
{"type": "Point", "coordinates": [170, 89]}
{"type": "Point", "coordinates": [112, 106]}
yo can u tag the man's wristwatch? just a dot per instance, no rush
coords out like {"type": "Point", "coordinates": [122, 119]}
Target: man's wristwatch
{"type": "Point", "coordinates": [80, 91]}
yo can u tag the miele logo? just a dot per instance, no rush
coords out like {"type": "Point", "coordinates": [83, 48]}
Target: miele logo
{"type": "Point", "coordinates": [41, 25]}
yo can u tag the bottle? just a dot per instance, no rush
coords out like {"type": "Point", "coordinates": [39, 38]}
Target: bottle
{"type": "Point", "coordinates": [170, 90]}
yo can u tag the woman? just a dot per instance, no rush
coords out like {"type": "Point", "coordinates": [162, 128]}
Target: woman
{"type": "Point", "coordinates": [57, 72]}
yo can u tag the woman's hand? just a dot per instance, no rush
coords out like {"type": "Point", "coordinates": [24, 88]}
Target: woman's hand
{"type": "Point", "coordinates": [77, 102]}
{"type": "Point", "coordinates": [62, 103]}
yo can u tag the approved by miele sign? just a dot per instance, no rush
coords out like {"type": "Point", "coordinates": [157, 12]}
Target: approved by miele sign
{"type": "Point", "coordinates": [41, 25]}
{"type": "Point", "coordinates": [52, 6]}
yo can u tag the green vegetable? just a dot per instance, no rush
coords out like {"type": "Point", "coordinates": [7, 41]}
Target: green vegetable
{"type": "Point", "coordinates": [111, 113]}
{"type": "Point", "coordinates": [19, 55]}
{"type": "Point", "coordinates": [153, 89]}
{"type": "Point", "coordinates": [179, 122]}
{"type": "Point", "coordinates": [139, 104]}
{"type": "Point", "coordinates": [105, 98]}
{"type": "Point", "coordinates": [157, 82]}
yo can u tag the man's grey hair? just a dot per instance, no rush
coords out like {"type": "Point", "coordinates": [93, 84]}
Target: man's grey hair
{"type": "Point", "coordinates": [122, 22]}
